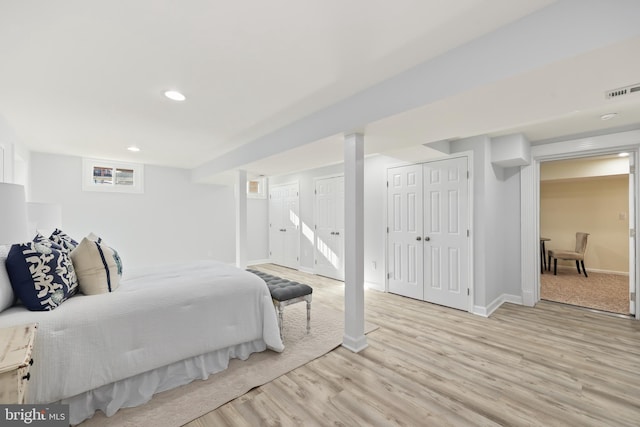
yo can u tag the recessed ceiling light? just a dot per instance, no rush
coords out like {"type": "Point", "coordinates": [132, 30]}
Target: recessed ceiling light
{"type": "Point", "coordinates": [133, 148]}
{"type": "Point", "coordinates": [608, 116]}
{"type": "Point", "coordinates": [175, 95]}
{"type": "Point", "coordinates": [623, 154]}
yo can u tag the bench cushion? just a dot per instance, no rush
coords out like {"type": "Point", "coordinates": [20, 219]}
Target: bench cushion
{"type": "Point", "coordinates": [283, 289]}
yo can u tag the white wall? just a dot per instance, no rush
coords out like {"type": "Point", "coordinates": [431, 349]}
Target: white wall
{"type": "Point", "coordinates": [7, 143]}
{"type": "Point", "coordinates": [496, 226]}
{"type": "Point", "coordinates": [257, 230]}
{"type": "Point", "coordinates": [173, 220]}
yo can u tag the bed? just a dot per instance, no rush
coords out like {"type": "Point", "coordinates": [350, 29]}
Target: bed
{"type": "Point", "coordinates": [163, 327]}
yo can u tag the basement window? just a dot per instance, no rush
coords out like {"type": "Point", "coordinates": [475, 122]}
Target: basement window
{"type": "Point", "coordinates": [109, 176]}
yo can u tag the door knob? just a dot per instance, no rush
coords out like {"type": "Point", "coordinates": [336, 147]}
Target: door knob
{"type": "Point", "coordinates": [427, 238]}
{"type": "Point", "coordinates": [418, 238]}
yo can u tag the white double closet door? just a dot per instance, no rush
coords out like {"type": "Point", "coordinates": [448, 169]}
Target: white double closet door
{"type": "Point", "coordinates": [329, 227]}
{"type": "Point", "coordinates": [284, 225]}
{"type": "Point", "coordinates": [428, 232]}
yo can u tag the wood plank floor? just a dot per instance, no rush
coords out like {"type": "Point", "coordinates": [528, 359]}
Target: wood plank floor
{"type": "Point", "coordinates": [427, 365]}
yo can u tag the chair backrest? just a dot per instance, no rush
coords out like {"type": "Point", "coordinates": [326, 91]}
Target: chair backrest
{"type": "Point", "coordinates": [581, 242]}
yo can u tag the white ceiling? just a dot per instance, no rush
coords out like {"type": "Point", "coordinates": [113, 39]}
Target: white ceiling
{"type": "Point", "coordinates": [86, 78]}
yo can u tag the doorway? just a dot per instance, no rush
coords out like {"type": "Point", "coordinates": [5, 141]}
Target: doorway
{"type": "Point", "coordinates": [591, 195]}
{"type": "Point", "coordinates": [530, 205]}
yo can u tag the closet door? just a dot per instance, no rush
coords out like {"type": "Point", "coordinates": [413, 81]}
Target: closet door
{"type": "Point", "coordinates": [284, 225]}
{"type": "Point", "coordinates": [445, 240]}
{"type": "Point", "coordinates": [404, 231]}
{"type": "Point", "coordinates": [329, 227]}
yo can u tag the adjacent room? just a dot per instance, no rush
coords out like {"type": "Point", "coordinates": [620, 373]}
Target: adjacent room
{"type": "Point", "coordinates": [242, 213]}
{"type": "Point", "coordinates": [588, 195]}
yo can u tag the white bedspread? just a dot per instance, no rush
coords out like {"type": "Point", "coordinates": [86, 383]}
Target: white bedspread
{"type": "Point", "coordinates": [158, 316]}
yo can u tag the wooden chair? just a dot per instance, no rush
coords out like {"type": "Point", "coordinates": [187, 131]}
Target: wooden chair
{"type": "Point", "coordinates": [577, 255]}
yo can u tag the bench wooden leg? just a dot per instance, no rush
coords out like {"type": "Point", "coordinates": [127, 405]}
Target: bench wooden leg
{"type": "Point", "coordinates": [308, 314]}
{"type": "Point", "coordinates": [280, 318]}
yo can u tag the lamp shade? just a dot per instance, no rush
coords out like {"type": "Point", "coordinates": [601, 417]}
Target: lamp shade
{"type": "Point", "coordinates": [13, 214]}
{"type": "Point", "coordinates": [44, 217]}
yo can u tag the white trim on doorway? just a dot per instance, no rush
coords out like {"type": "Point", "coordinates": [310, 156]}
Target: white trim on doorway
{"type": "Point", "coordinates": [530, 200]}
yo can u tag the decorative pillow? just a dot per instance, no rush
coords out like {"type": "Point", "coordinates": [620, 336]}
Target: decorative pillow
{"type": "Point", "coordinates": [7, 298]}
{"type": "Point", "coordinates": [61, 238]}
{"type": "Point", "coordinates": [98, 267]}
{"type": "Point", "coordinates": [94, 238]}
{"type": "Point", "coordinates": [42, 277]}
{"type": "Point", "coordinates": [46, 242]}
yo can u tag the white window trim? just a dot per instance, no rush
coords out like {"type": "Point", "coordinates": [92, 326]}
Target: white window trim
{"type": "Point", "coordinates": [89, 185]}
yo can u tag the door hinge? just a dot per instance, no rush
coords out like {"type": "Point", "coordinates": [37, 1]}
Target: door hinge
{"type": "Point", "coordinates": [315, 191]}
{"type": "Point", "coordinates": [297, 194]}
{"type": "Point", "coordinates": [632, 169]}
{"type": "Point", "coordinates": [468, 292]}
{"type": "Point", "coordinates": [387, 184]}
{"type": "Point", "coordinates": [297, 258]}
{"type": "Point", "coordinates": [632, 296]}
{"type": "Point", "coordinates": [316, 261]}
{"type": "Point", "coordinates": [387, 229]}
{"type": "Point", "coordinates": [632, 232]}
{"type": "Point", "coordinates": [315, 226]}
{"type": "Point", "coordinates": [388, 275]}
{"type": "Point", "coordinates": [468, 233]}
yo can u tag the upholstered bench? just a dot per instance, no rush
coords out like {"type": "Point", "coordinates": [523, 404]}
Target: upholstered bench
{"type": "Point", "coordinates": [285, 292]}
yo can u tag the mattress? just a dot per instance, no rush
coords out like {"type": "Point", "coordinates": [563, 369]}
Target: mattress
{"type": "Point", "coordinates": [157, 317]}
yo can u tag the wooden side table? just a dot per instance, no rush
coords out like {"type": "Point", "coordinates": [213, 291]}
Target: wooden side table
{"type": "Point", "coordinates": [16, 345]}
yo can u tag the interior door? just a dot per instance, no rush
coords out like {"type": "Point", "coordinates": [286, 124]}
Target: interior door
{"type": "Point", "coordinates": [446, 217]}
{"type": "Point", "coordinates": [405, 232]}
{"type": "Point", "coordinates": [276, 236]}
{"type": "Point", "coordinates": [632, 235]}
{"type": "Point", "coordinates": [284, 225]}
{"type": "Point", "coordinates": [329, 205]}
{"type": "Point", "coordinates": [291, 226]}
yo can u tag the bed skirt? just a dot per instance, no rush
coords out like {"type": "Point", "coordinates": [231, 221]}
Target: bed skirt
{"type": "Point", "coordinates": [139, 389]}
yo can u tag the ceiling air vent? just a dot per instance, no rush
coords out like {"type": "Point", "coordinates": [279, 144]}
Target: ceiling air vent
{"type": "Point", "coordinates": [622, 91]}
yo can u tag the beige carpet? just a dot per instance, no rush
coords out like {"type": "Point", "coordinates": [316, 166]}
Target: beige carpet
{"type": "Point", "coordinates": [179, 406]}
{"type": "Point", "coordinates": [608, 292]}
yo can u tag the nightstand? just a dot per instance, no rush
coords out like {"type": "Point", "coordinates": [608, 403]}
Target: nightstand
{"type": "Point", "coordinates": [16, 345]}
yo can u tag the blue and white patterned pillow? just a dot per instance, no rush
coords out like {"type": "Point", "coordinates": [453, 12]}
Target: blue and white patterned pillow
{"type": "Point", "coordinates": [42, 277]}
{"type": "Point", "coordinates": [46, 242]}
{"type": "Point", "coordinates": [61, 238]}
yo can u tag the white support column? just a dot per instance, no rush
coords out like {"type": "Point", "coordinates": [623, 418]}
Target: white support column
{"type": "Point", "coordinates": [354, 338]}
{"type": "Point", "coordinates": [241, 219]}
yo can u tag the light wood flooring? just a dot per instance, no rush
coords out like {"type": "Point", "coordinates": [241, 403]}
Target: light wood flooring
{"type": "Point", "coordinates": [428, 365]}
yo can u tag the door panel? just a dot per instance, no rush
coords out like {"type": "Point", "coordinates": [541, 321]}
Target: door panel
{"type": "Point", "coordinates": [404, 218]}
{"type": "Point", "coordinates": [284, 225]}
{"type": "Point", "coordinates": [446, 250]}
{"type": "Point", "coordinates": [329, 251]}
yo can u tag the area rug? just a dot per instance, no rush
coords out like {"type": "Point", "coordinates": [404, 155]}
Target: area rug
{"type": "Point", "coordinates": [607, 292]}
{"type": "Point", "coordinates": [177, 407]}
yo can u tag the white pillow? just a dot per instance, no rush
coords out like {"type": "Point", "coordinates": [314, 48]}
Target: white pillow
{"type": "Point", "coordinates": [96, 266]}
{"type": "Point", "coordinates": [6, 291]}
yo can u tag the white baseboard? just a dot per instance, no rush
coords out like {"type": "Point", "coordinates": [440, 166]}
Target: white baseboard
{"type": "Point", "coordinates": [258, 261]}
{"type": "Point", "coordinates": [374, 286]}
{"type": "Point", "coordinates": [589, 270]}
{"type": "Point", "coordinates": [495, 304]}
{"type": "Point", "coordinates": [306, 270]}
